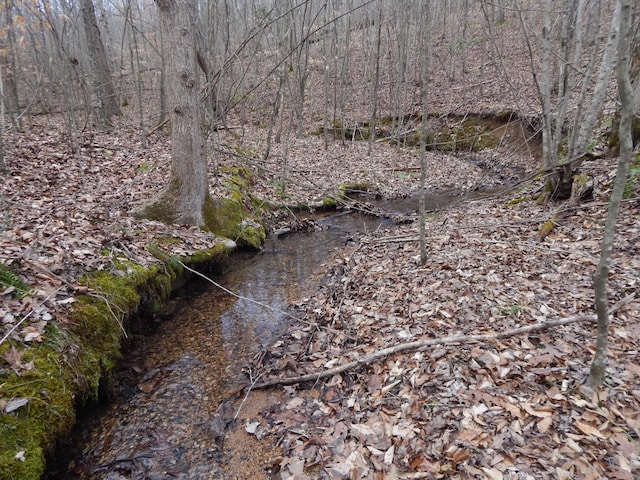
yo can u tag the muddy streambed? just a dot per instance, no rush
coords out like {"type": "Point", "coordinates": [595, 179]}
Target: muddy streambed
{"type": "Point", "coordinates": [164, 419]}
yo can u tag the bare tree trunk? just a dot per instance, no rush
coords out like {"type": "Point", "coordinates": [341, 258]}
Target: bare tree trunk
{"type": "Point", "coordinates": [376, 83]}
{"type": "Point", "coordinates": [136, 70]}
{"type": "Point", "coordinates": [301, 46]}
{"type": "Point", "coordinates": [426, 61]}
{"type": "Point", "coordinates": [8, 59]}
{"type": "Point", "coordinates": [343, 81]}
{"type": "Point", "coordinates": [597, 373]}
{"type": "Point", "coordinates": [103, 83]}
{"type": "Point", "coordinates": [284, 40]}
{"type": "Point", "coordinates": [274, 117]}
{"type": "Point", "coordinates": [549, 145]}
{"type": "Point", "coordinates": [163, 81]}
{"type": "Point", "coordinates": [3, 164]}
{"type": "Point", "coordinates": [500, 19]}
{"type": "Point", "coordinates": [328, 53]}
{"type": "Point", "coordinates": [399, 93]}
{"type": "Point", "coordinates": [588, 120]}
{"type": "Point", "coordinates": [183, 200]}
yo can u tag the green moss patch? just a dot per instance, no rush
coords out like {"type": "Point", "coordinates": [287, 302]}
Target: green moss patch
{"type": "Point", "coordinates": [74, 362]}
{"type": "Point", "coordinates": [47, 383]}
{"type": "Point", "coordinates": [228, 217]}
{"type": "Point", "coordinates": [329, 203]}
{"type": "Point", "coordinates": [447, 133]}
{"type": "Point", "coordinates": [354, 188]}
{"type": "Point", "coordinates": [515, 201]}
{"type": "Point", "coordinates": [21, 455]}
{"type": "Point", "coordinates": [614, 139]}
{"type": "Point", "coordinates": [8, 279]}
{"type": "Point", "coordinates": [470, 135]}
{"type": "Point", "coordinates": [633, 181]}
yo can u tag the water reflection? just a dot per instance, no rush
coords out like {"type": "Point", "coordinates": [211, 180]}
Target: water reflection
{"type": "Point", "coordinates": [278, 277]}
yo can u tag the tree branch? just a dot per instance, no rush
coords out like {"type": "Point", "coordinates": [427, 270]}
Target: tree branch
{"type": "Point", "coordinates": [421, 345]}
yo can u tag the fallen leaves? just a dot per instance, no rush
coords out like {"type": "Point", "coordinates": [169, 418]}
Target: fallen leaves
{"type": "Point", "coordinates": [65, 214]}
{"type": "Point", "coordinates": [502, 408]}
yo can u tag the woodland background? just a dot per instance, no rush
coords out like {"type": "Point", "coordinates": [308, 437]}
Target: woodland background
{"type": "Point", "coordinates": [300, 99]}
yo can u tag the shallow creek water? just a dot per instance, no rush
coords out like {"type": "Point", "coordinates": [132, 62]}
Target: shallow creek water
{"type": "Point", "coordinates": [169, 408]}
{"type": "Point", "coordinates": [162, 422]}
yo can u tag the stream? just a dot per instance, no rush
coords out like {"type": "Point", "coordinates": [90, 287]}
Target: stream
{"type": "Point", "coordinates": [162, 417]}
{"type": "Point", "coordinates": [160, 422]}
{"type": "Point", "coordinates": [169, 414]}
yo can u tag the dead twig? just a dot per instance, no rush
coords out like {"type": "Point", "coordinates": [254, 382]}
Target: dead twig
{"type": "Point", "coordinates": [14, 328]}
{"type": "Point", "coordinates": [421, 345]}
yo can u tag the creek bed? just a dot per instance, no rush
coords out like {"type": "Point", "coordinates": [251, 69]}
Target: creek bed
{"type": "Point", "coordinates": [162, 417]}
{"type": "Point", "coordinates": [160, 423]}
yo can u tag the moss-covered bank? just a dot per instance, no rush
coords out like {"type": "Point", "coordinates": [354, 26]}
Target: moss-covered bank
{"type": "Point", "coordinates": [226, 217]}
{"type": "Point", "coordinates": [75, 358]}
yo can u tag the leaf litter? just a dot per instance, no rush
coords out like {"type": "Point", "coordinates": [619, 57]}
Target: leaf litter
{"type": "Point", "coordinates": [505, 409]}
{"type": "Point", "coordinates": [508, 408]}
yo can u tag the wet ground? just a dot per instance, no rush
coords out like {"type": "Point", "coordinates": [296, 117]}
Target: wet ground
{"type": "Point", "coordinates": [171, 415]}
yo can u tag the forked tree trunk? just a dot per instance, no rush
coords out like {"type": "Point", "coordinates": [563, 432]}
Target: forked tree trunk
{"type": "Point", "coordinates": [103, 82]}
{"type": "Point", "coordinates": [555, 97]}
{"type": "Point", "coordinates": [183, 200]}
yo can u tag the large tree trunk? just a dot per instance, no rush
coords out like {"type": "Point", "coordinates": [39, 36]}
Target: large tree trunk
{"type": "Point", "coordinates": [184, 199]}
{"type": "Point", "coordinates": [107, 99]}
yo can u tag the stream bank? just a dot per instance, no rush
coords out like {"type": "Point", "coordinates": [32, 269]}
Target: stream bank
{"type": "Point", "coordinates": [73, 365]}
{"type": "Point", "coordinates": [167, 414]}
{"type": "Point", "coordinates": [62, 343]}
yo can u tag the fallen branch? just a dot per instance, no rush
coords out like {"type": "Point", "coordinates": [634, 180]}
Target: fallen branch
{"type": "Point", "coordinates": [421, 345]}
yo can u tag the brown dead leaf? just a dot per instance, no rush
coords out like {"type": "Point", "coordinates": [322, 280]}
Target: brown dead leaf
{"type": "Point", "coordinates": [590, 430]}
{"type": "Point", "coordinates": [149, 386]}
{"type": "Point", "coordinates": [540, 411]}
{"type": "Point", "coordinates": [492, 473]}
{"type": "Point", "coordinates": [544, 424]}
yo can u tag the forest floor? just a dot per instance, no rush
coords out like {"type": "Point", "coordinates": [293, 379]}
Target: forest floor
{"type": "Point", "coordinates": [510, 407]}
{"type": "Point", "coordinates": [497, 408]}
